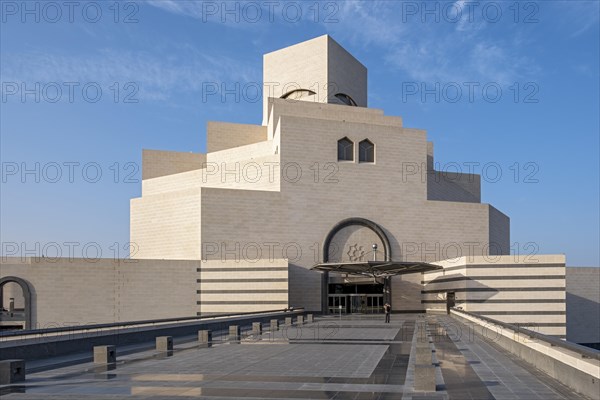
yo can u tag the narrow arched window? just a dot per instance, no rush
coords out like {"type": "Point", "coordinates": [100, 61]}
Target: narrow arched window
{"type": "Point", "coordinates": [366, 151]}
{"type": "Point", "coordinates": [297, 94]}
{"type": "Point", "coordinates": [345, 99]}
{"type": "Point", "coordinates": [345, 150]}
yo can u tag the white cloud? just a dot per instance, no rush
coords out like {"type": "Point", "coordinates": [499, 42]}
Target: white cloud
{"type": "Point", "coordinates": [578, 16]}
{"type": "Point", "coordinates": [451, 50]}
{"type": "Point", "coordinates": [158, 78]}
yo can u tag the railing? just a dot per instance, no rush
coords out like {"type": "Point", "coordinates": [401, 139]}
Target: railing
{"type": "Point", "coordinates": [133, 324]}
{"type": "Point", "coordinates": [12, 316]}
{"type": "Point", "coordinates": [585, 352]}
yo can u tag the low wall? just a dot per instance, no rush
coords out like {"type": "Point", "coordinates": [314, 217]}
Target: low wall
{"type": "Point", "coordinates": [575, 366]}
{"type": "Point", "coordinates": [69, 291]}
{"type": "Point", "coordinates": [37, 346]}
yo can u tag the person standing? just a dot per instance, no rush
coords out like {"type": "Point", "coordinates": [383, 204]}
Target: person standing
{"type": "Point", "coordinates": [387, 309]}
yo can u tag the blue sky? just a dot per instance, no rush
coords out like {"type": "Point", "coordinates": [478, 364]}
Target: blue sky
{"type": "Point", "coordinates": [152, 61]}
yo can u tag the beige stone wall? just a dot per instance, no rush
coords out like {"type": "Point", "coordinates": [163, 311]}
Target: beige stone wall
{"type": "Point", "coordinates": [583, 304]}
{"type": "Point", "coordinates": [166, 225]}
{"type": "Point", "coordinates": [157, 163]}
{"type": "Point", "coordinates": [225, 135]}
{"type": "Point", "coordinates": [345, 74]}
{"type": "Point", "coordinates": [249, 167]}
{"type": "Point", "coordinates": [451, 186]}
{"type": "Point", "coordinates": [526, 290]}
{"type": "Point", "coordinates": [335, 112]}
{"type": "Point", "coordinates": [406, 293]}
{"type": "Point", "coordinates": [79, 291]}
{"type": "Point", "coordinates": [499, 228]}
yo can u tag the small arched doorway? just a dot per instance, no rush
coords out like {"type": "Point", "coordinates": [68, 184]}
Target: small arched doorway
{"type": "Point", "coordinates": [355, 240]}
{"type": "Point", "coordinates": [15, 303]}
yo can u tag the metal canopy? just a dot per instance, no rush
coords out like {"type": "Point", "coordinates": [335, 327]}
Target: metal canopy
{"type": "Point", "coordinates": [376, 269]}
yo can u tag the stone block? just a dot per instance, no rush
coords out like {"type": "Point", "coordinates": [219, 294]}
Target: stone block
{"type": "Point", "coordinates": [205, 337]}
{"type": "Point", "coordinates": [257, 328]}
{"type": "Point", "coordinates": [164, 343]}
{"type": "Point", "coordinates": [423, 356]}
{"type": "Point", "coordinates": [300, 320]}
{"type": "Point", "coordinates": [309, 318]}
{"type": "Point", "coordinates": [105, 354]}
{"type": "Point", "coordinates": [425, 378]}
{"type": "Point", "coordinates": [12, 371]}
{"type": "Point", "coordinates": [274, 325]}
{"type": "Point", "coordinates": [234, 333]}
{"type": "Point", "coordinates": [288, 320]}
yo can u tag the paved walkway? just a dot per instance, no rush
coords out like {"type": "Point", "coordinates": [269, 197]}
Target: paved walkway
{"type": "Point", "coordinates": [333, 358]}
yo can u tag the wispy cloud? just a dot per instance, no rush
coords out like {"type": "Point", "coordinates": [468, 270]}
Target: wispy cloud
{"type": "Point", "coordinates": [578, 16]}
{"type": "Point", "coordinates": [158, 78]}
{"type": "Point", "coordinates": [369, 23]}
{"type": "Point", "coordinates": [251, 15]}
{"type": "Point", "coordinates": [451, 50]}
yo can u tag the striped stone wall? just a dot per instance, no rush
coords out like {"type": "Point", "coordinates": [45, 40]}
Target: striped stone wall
{"type": "Point", "coordinates": [524, 290]}
{"type": "Point", "coordinates": [242, 286]}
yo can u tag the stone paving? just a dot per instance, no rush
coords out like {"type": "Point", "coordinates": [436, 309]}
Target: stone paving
{"type": "Point", "coordinates": [349, 358]}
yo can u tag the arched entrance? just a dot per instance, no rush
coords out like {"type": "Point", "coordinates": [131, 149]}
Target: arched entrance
{"type": "Point", "coordinates": [15, 311]}
{"type": "Point", "coordinates": [349, 229]}
{"type": "Point", "coordinates": [355, 240]}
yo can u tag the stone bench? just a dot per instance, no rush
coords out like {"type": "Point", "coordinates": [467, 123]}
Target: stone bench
{"type": "Point", "coordinates": [257, 328]}
{"type": "Point", "coordinates": [234, 334]}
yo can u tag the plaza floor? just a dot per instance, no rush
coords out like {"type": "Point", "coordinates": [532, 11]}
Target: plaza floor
{"type": "Point", "coordinates": [353, 357]}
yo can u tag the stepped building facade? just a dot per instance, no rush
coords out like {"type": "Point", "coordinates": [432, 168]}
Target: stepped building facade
{"type": "Point", "coordinates": [327, 205]}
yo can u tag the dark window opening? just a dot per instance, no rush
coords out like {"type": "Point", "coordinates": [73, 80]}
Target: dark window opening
{"type": "Point", "coordinates": [366, 151]}
{"type": "Point", "coordinates": [345, 150]}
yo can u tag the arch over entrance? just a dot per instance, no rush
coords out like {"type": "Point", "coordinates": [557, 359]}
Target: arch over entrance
{"type": "Point", "coordinates": [387, 250]}
{"type": "Point", "coordinates": [26, 289]}
{"type": "Point", "coordinates": [365, 296]}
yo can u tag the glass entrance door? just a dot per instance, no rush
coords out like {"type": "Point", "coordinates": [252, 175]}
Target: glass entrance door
{"type": "Point", "coordinates": [355, 299]}
{"type": "Point", "coordinates": [375, 303]}
{"type": "Point", "coordinates": [356, 303]}
{"type": "Point", "coordinates": [337, 303]}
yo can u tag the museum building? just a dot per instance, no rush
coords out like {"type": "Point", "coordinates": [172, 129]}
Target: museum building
{"type": "Point", "coordinates": [327, 205]}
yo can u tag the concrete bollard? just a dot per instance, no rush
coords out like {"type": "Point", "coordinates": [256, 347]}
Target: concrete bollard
{"type": "Point", "coordinates": [274, 325]}
{"type": "Point", "coordinates": [288, 320]}
{"type": "Point", "coordinates": [425, 378]}
{"type": "Point", "coordinates": [423, 356]}
{"type": "Point", "coordinates": [164, 343]}
{"type": "Point", "coordinates": [256, 328]}
{"type": "Point", "coordinates": [234, 333]}
{"type": "Point", "coordinates": [105, 354]}
{"type": "Point", "coordinates": [205, 338]}
{"type": "Point", "coordinates": [12, 371]}
{"type": "Point", "coordinates": [309, 318]}
{"type": "Point", "coordinates": [300, 320]}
